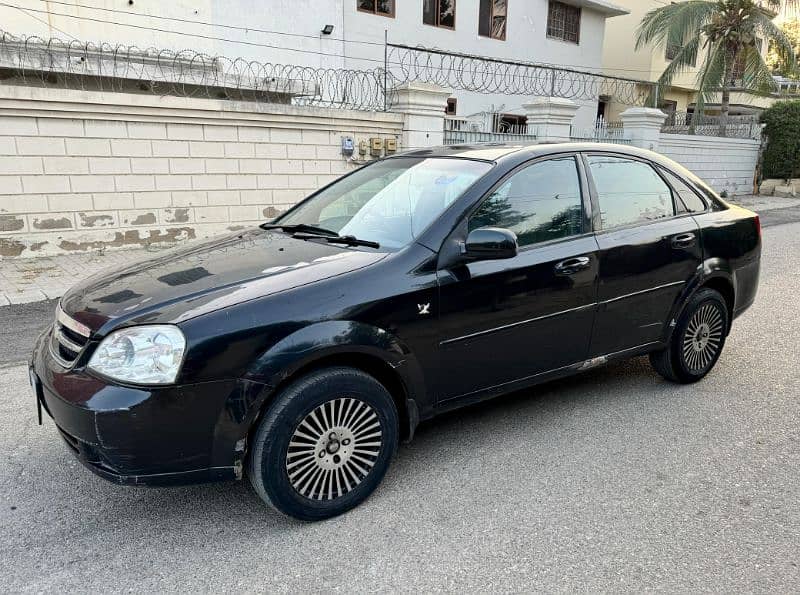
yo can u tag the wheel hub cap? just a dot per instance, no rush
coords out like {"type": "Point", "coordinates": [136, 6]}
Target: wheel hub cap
{"type": "Point", "coordinates": [703, 337]}
{"type": "Point", "coordinates": [333, 449]}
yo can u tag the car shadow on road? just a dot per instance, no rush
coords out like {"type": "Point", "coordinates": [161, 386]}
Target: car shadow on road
{"type": "Point", "coordinates": [416, 464]}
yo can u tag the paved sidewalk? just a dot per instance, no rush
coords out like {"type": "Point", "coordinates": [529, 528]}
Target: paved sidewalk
{"type": "Point", "coordinates": [25, 280]}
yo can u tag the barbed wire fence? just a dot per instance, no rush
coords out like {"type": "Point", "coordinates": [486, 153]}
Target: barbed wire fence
{"type": "Point", "coordinates": [31, 60]}
{"type": "Point", "coordinates": [480, 74]}
{"type": "Point", "coordinates": [89, 66]}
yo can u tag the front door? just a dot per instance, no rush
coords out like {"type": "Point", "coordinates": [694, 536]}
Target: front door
{"type": "Point", "coordinates": [508, 320]}
{"type": "Point", "coordinates": [648, 253]}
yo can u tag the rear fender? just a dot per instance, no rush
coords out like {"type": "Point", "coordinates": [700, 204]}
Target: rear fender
{"type": "Point", "coordinates": [712, 268]}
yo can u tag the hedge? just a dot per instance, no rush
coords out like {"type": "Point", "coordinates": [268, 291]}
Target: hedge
{"type": "Point", "coordinates": [782, 154]}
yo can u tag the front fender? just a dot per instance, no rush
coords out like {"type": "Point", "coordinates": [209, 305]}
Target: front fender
{"type": "Point", "coordinates": [322, 340]}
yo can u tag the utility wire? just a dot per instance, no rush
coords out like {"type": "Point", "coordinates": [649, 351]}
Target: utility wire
{"type": "Point", "coordinates": [208, 24]}
{"type": "Point", "coordinates": [264, 45]}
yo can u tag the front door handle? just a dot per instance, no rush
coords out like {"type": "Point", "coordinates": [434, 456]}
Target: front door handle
{"type": "Point", "coordinates": [684, 240]}
{"type": "Point", "coordinates": [573, 265]}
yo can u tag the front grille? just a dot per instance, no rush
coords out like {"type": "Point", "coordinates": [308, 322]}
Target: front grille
{"type": "Point", "coordinates": [68, 338]}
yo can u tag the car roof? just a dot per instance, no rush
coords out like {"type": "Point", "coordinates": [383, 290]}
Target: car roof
{"type": "Point", "coordinates": [511, 154]}
{"type": "Point", "coordinates": [497, 151]}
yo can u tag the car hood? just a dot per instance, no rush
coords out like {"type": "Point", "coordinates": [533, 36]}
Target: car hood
{"type": "Point", "coordinates": [194, 280]}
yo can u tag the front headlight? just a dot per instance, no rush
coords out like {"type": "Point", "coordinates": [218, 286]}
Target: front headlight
{"type": "Point", "coordinates": [141, 355]}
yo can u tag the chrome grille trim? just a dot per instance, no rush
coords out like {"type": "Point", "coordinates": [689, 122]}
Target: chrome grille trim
{"type": "Point", "coordinates": [72, 324]}
{"type": "Point", "coordinates": [62, 338]}
{"type": "Point", "coordinates": [61, 341]}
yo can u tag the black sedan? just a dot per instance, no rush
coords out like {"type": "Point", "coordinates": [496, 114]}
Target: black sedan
{"type": "Point", "coordinates": [300, 353]}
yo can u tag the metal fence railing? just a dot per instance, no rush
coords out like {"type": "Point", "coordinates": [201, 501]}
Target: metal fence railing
{"type": "Point", "coordinates": [603, 131]}
{"type": "Point", "coordinates": [458, 131]}
{"type": "Point", "coordinates": [746, 126]}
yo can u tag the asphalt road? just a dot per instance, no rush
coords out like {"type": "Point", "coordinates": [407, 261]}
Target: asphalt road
{"type": "Point", "coordinates": [611, 481]}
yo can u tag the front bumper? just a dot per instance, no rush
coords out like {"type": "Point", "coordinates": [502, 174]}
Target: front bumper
{"type": "Point", "coordinates": [172, 435]}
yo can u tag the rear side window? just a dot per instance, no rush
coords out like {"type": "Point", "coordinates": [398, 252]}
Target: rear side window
{"type": "Point", "coordinates": [629, 192]}
{"type": "Point", "coordinates": [686, 200]}
{"type": "Point", "coordinates": [539, 203]}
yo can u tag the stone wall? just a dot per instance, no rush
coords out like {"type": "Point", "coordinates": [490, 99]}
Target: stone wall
{"type": "Point", "coordinates": [86, 171]}
{"type": "Point", "coordinates": [726, 164]}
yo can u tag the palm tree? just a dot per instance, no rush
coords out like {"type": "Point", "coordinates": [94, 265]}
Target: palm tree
{"type": "Point", "coordinates": [730, 31]}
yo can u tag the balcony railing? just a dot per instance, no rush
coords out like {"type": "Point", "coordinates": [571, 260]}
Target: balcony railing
{"type": "Point", "coordinates": [459, 131]}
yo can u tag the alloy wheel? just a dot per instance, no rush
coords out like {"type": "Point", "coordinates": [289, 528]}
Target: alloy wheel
{"type": "Point", "coordinates": [333, 449]}
{"type": "Point", "coordinates": [703, 337]}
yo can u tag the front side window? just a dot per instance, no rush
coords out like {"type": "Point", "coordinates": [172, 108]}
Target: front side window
{"type": "Point", "coordinates": [564, 22]}
{"type": "Point", "coordinates": [539, 203]}
{"type": "Point", "coordinates": [687, 200]}
{"type": "Point", "coordinates": [390, 202]}
{"type": "Point", "coordinates": [382, 7]}
{"type": "Point", "coordinates": [492, 18]}
{"type": "Point", "coordinates": [439, 13]}
{"type": "Point", "coordinates": [629, 191]}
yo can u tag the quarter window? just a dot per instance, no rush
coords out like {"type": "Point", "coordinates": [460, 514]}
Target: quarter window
{"type": "Point", "coordinates": [540, 203]}
{"type": "Point", "coordinates": [564, 22]}
{"type": "Point", "coordinates": [629, 191]}
{"type": "Point", "coordinates": [439, 13]}
{"type": "Point", "coordinates": [382, 7]}
{"type": "Point", "coordinates": [492, 19]}
{"type": "Point", "coordinates": [686, 199]}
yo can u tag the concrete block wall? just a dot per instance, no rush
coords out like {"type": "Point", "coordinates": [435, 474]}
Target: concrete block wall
{"type": "Point", "coordinates": [726, 164]}
{"type": "Point", "coordinates": [84, 170]}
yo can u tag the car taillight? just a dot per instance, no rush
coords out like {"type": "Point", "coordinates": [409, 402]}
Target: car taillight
{"type": "Point", "coordinates": [758, 226]}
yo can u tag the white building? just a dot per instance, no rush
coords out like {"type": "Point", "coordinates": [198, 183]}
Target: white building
{"type": "Point", "coordinates": [565, 33]}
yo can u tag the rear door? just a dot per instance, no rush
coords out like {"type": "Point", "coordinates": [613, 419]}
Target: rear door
{"type": "Point", "coordinates": [649, 251]}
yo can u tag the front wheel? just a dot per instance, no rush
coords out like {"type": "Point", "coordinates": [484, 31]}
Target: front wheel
{"type": "Point", "coordinates": [324, 444]}
{"type": "Point", "coordinates": [697, 340]}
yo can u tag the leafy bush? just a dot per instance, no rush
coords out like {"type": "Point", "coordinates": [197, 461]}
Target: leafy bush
{"type": "Point", "coordinates": [782, 155]}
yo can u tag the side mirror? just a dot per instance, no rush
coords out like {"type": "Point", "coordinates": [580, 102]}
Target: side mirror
{"type": "Point", "coordinates": [490, 243]}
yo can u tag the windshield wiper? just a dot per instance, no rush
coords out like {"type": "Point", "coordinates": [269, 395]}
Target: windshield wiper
{"type": "Point", "coordinates": [336, 239]}
{"type": "Point", "coordinates": [300, 227]}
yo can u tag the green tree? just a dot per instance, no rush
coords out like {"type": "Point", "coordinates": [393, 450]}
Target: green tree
{"type": "Point", "coordinates": [792, 30]}
{"type": "Point", "coordinates": [730, 31]}
{"type": "Point", "coordinates": [782, 153]}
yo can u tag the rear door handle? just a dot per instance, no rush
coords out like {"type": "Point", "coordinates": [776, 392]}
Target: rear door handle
{"type": "Point", "coordinates": [573, 265]}
{"type": "Point", "coordinates": [683, 240]}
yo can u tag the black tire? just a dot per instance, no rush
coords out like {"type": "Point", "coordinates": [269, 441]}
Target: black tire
{"type": "Point", "coordinates": [694, 349]}
{"type": "Point", "coordinates": [327, 396]}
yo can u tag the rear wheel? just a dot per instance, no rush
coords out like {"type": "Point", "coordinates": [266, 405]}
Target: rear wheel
{"type": "Point", "coordinates": [697, 340]}
{"type": "Point", "coordinates": [325, 444]}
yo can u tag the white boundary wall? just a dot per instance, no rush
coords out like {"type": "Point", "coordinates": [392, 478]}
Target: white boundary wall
{"type": "Point", "coordinates": [87, 171]}
{"type": "Point", "coordinates": [726, 164]}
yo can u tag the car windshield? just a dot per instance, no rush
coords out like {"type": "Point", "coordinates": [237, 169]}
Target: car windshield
{"type": "Point", "coordinates": [390, 202]}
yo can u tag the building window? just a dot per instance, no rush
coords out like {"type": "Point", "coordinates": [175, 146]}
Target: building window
{"type": "Point", "coordinates": [439, 13]}
{"type": "Point", "coordinates": [669, 107]}
{"type": "Point", "coordinates": [452, 106]}
{"type": "Point", "coordinates": [509, 124]}
{"type": "Point", "coordinates": [672, 51]}
{"type": "Point", "coordinates": [564, 22]}
{"type": "Point", "coordinates": [492, 20]}
{"type": "Point", "coordinates": [381, 7]}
